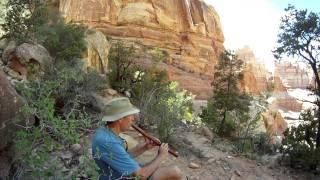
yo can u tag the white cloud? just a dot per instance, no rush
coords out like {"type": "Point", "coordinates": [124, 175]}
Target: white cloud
{"type": "Point", "coordinates": [249, 22]}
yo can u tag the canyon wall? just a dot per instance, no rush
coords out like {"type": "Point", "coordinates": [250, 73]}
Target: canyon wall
{"type": "Point", "coordinates": [189, 31]}
{"type": "Point", "coordinates": [292, 75]}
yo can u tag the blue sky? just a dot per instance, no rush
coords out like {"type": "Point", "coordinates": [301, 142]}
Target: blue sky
{"type": "Point", "coordinates": [255, 23]}
{"type": "Point", "coordinates": [313, 5]}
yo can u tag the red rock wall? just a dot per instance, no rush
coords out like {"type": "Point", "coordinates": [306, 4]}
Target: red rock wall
{"type": "Point", "coordinates": [189, 30]}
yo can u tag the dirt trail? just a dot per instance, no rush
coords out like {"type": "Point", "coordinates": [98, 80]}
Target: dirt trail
{"type": "Point", "coordinates": [216, 164]}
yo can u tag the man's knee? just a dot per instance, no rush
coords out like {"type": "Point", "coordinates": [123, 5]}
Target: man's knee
{"type": "Point", "coordinates": [176, 172]}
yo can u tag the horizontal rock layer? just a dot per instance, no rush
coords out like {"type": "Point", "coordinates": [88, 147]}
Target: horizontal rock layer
{"type": "Point", "coordinates": [188, 30]}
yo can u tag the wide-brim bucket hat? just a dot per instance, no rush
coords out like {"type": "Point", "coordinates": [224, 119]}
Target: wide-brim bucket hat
{"type": "Point", "coordinates": [118, 108]}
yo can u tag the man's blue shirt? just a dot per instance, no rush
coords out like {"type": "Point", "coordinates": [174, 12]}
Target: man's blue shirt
{"type": "Point", "coordinates": [110, 155]}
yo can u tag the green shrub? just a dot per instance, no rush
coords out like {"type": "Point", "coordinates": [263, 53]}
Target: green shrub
{"type": "Point", "coordinates": [170, 106]}
{"type": "Point", "coordinates": [33, 22]}
{"type": "Point", "coordinates": [16, 23]}
{"type": "Point", "coordinates": [229, 105]}
{"type": "Point", "coordinates": [298, 146]}
{"type": "Point", "coordinates": [123, 68]}
{"type": "Point", "coordinates": [161, 102]}
{"type": "Point", "coordinates": [55, 113]}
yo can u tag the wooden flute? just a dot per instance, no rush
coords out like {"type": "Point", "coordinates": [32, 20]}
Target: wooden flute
{"type": "Point", "coordinates": [153, 139]}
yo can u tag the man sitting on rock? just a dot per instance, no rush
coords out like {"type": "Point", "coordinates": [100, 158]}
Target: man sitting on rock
{"type": "Point", "coordinates": [110, 150]}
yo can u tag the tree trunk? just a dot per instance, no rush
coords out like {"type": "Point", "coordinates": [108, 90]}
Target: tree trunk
{"type": "Point", "coordinates": [222, 124]}
{"type": "Point", "coordinates": [316, 74]}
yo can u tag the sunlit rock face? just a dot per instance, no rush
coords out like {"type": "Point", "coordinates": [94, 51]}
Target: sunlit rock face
{"type": "Point", "coordinates": [97, 52]}
{"type": "Point", "coordinates": [278, 85]}
{"type": "Point", "coordinates": [274, 123]}
{"type": "Point", "coordinates": [282, 99]}
{"type": "Point", "coordinates": [292, 75]}
{"type": "Point", "coordinates": [188, 30]}
{"type": "Point", "coordinates": [255, 74]}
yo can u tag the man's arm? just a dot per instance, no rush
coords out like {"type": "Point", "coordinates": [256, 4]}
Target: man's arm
{"type": "Point", "coordinates": [138, 150]}
{"type": "Point", "coordinates": [141, 148]}
{"type": "Point", "coordinates": [147, 170]}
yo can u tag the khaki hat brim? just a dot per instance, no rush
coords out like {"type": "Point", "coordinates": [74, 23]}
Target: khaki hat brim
{"type": "Point", "coordinates": [116, 117]}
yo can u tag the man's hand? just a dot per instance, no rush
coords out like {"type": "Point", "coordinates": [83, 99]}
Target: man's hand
{"type": "Point", "coordinates": [163, 150]}
{"type": "Point", "coordinates": [149, 144]}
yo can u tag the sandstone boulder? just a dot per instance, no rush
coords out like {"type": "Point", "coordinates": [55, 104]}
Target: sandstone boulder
{"type": "Point", "coordinates": [8, 50]}
{"type": "Point", "coordinates": [32, 53]}
{"type": "Point", "coordinates": [25, 55]}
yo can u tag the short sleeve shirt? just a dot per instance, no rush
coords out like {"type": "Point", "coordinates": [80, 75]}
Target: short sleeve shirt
{"type": "Point", "coordinates": [110, 155]}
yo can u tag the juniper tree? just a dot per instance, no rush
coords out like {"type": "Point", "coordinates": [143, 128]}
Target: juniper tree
{"type": "Point", "coordinates": [228, 103]}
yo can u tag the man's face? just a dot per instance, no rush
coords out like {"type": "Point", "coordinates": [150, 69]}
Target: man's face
{"type": "Point", "coordinates": [126, 122]}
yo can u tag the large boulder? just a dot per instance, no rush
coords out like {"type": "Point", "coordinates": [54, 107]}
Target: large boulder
{"type": "Point", "coordinates": [32, 53]}
{"type": "Point", "coordinates": [20, 58]}
{"type": "Point", "coordinates": [8, 50]}
{"type": "Point", "coordinates": [10, 103]}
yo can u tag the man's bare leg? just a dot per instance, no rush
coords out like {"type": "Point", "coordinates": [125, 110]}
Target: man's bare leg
{"type": "Point", "coordinates": [167, 173]}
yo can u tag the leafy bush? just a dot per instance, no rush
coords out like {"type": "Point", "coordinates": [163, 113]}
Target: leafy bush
{"type": "Point", "coordinates": [16, 21]}
{"type": "Point", "coordinates": [161, 102]}
{"type": "Point", "coordinates": [56, 110]}
{"type": "Point", "coordinates": [33, 22]}
{"type": "Point", "coordinates": [298, 146]}
{"type": "Point", "coordinates": [124, 70]}
{"type": "Point", "coordinates": [169, 107]}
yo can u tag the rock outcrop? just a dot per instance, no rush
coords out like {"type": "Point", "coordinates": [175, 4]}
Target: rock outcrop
{"type": "Point", "coordinates": [255, 74]}
{"type": "Point", "coordinates": [188, 30]}
{"type": "Point", "coordinates": [274, 123]}
{"type": "Point", "coordinates": [18, 60]}
{"type": "Point", "coordinates": [282, 99]}
{"type": "Point", "coordinates": [97, 51]}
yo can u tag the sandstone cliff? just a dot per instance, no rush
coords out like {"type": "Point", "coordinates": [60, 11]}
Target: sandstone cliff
{"type": "Point", "coordinates": [188, 30]}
